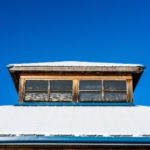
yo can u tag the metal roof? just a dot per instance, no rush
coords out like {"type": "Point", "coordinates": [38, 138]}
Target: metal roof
{"type": "Point", "coordinates": [78, 125]}
{"type": "Point", "coordinates": [77, 121]}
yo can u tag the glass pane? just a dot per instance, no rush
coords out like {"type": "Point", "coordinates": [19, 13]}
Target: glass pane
{"type": "Point", "coordinates": [90, 85]}
{"type": "Point", "coordinates": [36, 85]}
{"type": "Point", "coordinates": [61, 85]}
{"type": "Point", "coordinates": [114, 85]}
{"type": "Point", "coordinates": [36, 96]}
{"type": "Point", "coordinates": [61, 96]}
{"type": "Point", "coordinates": [115, 96]}
{"type": "Point", "coordinates": [90, 96]}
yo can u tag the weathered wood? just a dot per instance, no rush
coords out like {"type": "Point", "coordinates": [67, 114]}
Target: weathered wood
{"type": "Point", "coordinates": [132, 69]}
{"type": "Point", "coordinates": [21, 89]}
{"type": "Point", "coordinates": [130, 90]}
{"type": "Point", "coordinates": [75, 90]}
{"type": "Point", "coordinates": [72, 77]}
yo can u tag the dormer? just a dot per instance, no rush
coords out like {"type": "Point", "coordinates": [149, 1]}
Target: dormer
{"type": "Point", "coordinates": [75, 82]}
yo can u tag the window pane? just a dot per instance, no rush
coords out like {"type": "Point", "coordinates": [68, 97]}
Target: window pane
{"type": "Point", "coordinates": [90, 85]}
{"type": "Point", "coordinates": [115, 96]}
{"type": "Point", "coordinates": [90, 96]}
{"type": "Point", "coordinates": [36, 85]}
{"type": "Point", "coordinates": [114, 85]}
{"type": "Point", "coordinates": [61, 85]}
{"type": "Point", "coordinates": [61, 96]}
{"type": "Point", "coordinates": [36, 96]}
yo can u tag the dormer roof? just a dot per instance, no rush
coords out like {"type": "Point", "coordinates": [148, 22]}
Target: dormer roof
{"type": "Point", "coordinates": [76, 66]}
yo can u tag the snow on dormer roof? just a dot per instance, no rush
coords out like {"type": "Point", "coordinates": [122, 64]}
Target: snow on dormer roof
{"type": "Point", "coordinates": [73, 63]}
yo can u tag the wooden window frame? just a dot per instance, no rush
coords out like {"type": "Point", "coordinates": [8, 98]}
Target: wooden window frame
{"type": "Point", "coordinates": [75, 82]}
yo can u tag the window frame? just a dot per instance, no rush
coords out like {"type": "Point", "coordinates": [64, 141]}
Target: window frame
{"type": "Point", "coordinates": [75, 83]}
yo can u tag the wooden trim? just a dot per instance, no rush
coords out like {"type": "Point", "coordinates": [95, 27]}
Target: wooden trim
{"type": "Point", "coordinates": [130, 90]}
{"type": "Point", "coordinates": [103, 90]}
{"type": "Point", "coordinates": [75, 90]}
{"type": "Point", "coordinates": [76, 77]}
{"type": "Point", "coordinates": [21, 89]}
{"type": "Point", "coordinates": [49, 91]}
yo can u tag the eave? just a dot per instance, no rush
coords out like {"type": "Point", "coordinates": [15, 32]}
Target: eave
{"type": "Point", "coordinates": [73, 140]}
{"type": "Point", "coordinates": [135, 71]}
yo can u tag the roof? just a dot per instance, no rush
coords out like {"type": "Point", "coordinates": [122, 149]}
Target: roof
{"type": "Point", "coordinates": [77, 121]}
{"type": "Point", "coordinates": [80, 124]}
{"type": "Point", "coordinates": [76, 67]}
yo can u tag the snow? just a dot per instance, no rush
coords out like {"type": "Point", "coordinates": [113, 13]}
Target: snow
{"type": "Point", "coordinates": [77, 121]}
{"type": "Point", "coordinates": [73, 63]}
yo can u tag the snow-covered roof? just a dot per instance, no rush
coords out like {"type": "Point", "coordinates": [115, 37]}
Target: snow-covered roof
{"type": "Point", "coordinates": [77, 121]}
{"type": "Point", "coordinates": [72, 63]}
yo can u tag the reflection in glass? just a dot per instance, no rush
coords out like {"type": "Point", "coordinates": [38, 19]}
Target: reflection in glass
{"type": "Point", "coordinates": [36, 85]}
{"type": "Point", "coordinates": [61, 96]}
{"type": "Point", "coordinates": [115, 96]}
{"type": "Point", "coordinates": [114, 85]}
{"type": "Point", "coordinates": [60, 85]}
{"type": "Point", "coordinates": [36, 96]}
{"type": "Point", "coordinates": [90, 85]}
{"type": "Point", "coordinates": [90, 96]}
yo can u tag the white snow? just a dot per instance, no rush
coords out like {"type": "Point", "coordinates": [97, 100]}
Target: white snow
{"type": "Point", "coordinates": [77, 121]}
{"type": "Point", "coordinates": [73, 63]}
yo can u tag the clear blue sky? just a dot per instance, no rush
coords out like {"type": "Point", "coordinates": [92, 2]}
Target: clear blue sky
{"type": "Point", "coordinates": [83, 30]}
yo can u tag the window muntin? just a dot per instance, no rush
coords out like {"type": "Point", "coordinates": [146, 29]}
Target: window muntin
{"type": "Point", "coordinates": [78, 90]}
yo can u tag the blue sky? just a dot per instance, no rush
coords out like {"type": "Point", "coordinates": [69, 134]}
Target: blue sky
{"type": "Point", "coordinates": [82, 30]}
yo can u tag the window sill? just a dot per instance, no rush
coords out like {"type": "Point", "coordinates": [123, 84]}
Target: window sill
{"type": "Point", "coordinates": [76, 104]}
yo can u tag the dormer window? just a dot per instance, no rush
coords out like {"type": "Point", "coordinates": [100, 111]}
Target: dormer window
{"type": "Point", "coordinates": [75, 82]}
{"type": "Point", "coordinates": [76, 89]}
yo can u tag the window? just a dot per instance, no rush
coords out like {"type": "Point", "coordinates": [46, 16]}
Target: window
{"type": "Point", "coordinates": [90, 90]}
{"type": "Point", "coordinates": [36, 90]}
{"type": "Point", "coordinates": [60, 90]}
{"type": "Point", "coordinates": [115, 90]}
{"type": "Point", "coordinates": [77, 89]}
{"type": "Point", "coordinates": [44, 90]}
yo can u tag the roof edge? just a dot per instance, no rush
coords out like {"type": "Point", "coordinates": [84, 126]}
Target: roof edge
{"type": "Point", "coordinates": [74, 140]}
{"type": "Point", "coordinates": [72, 63]}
